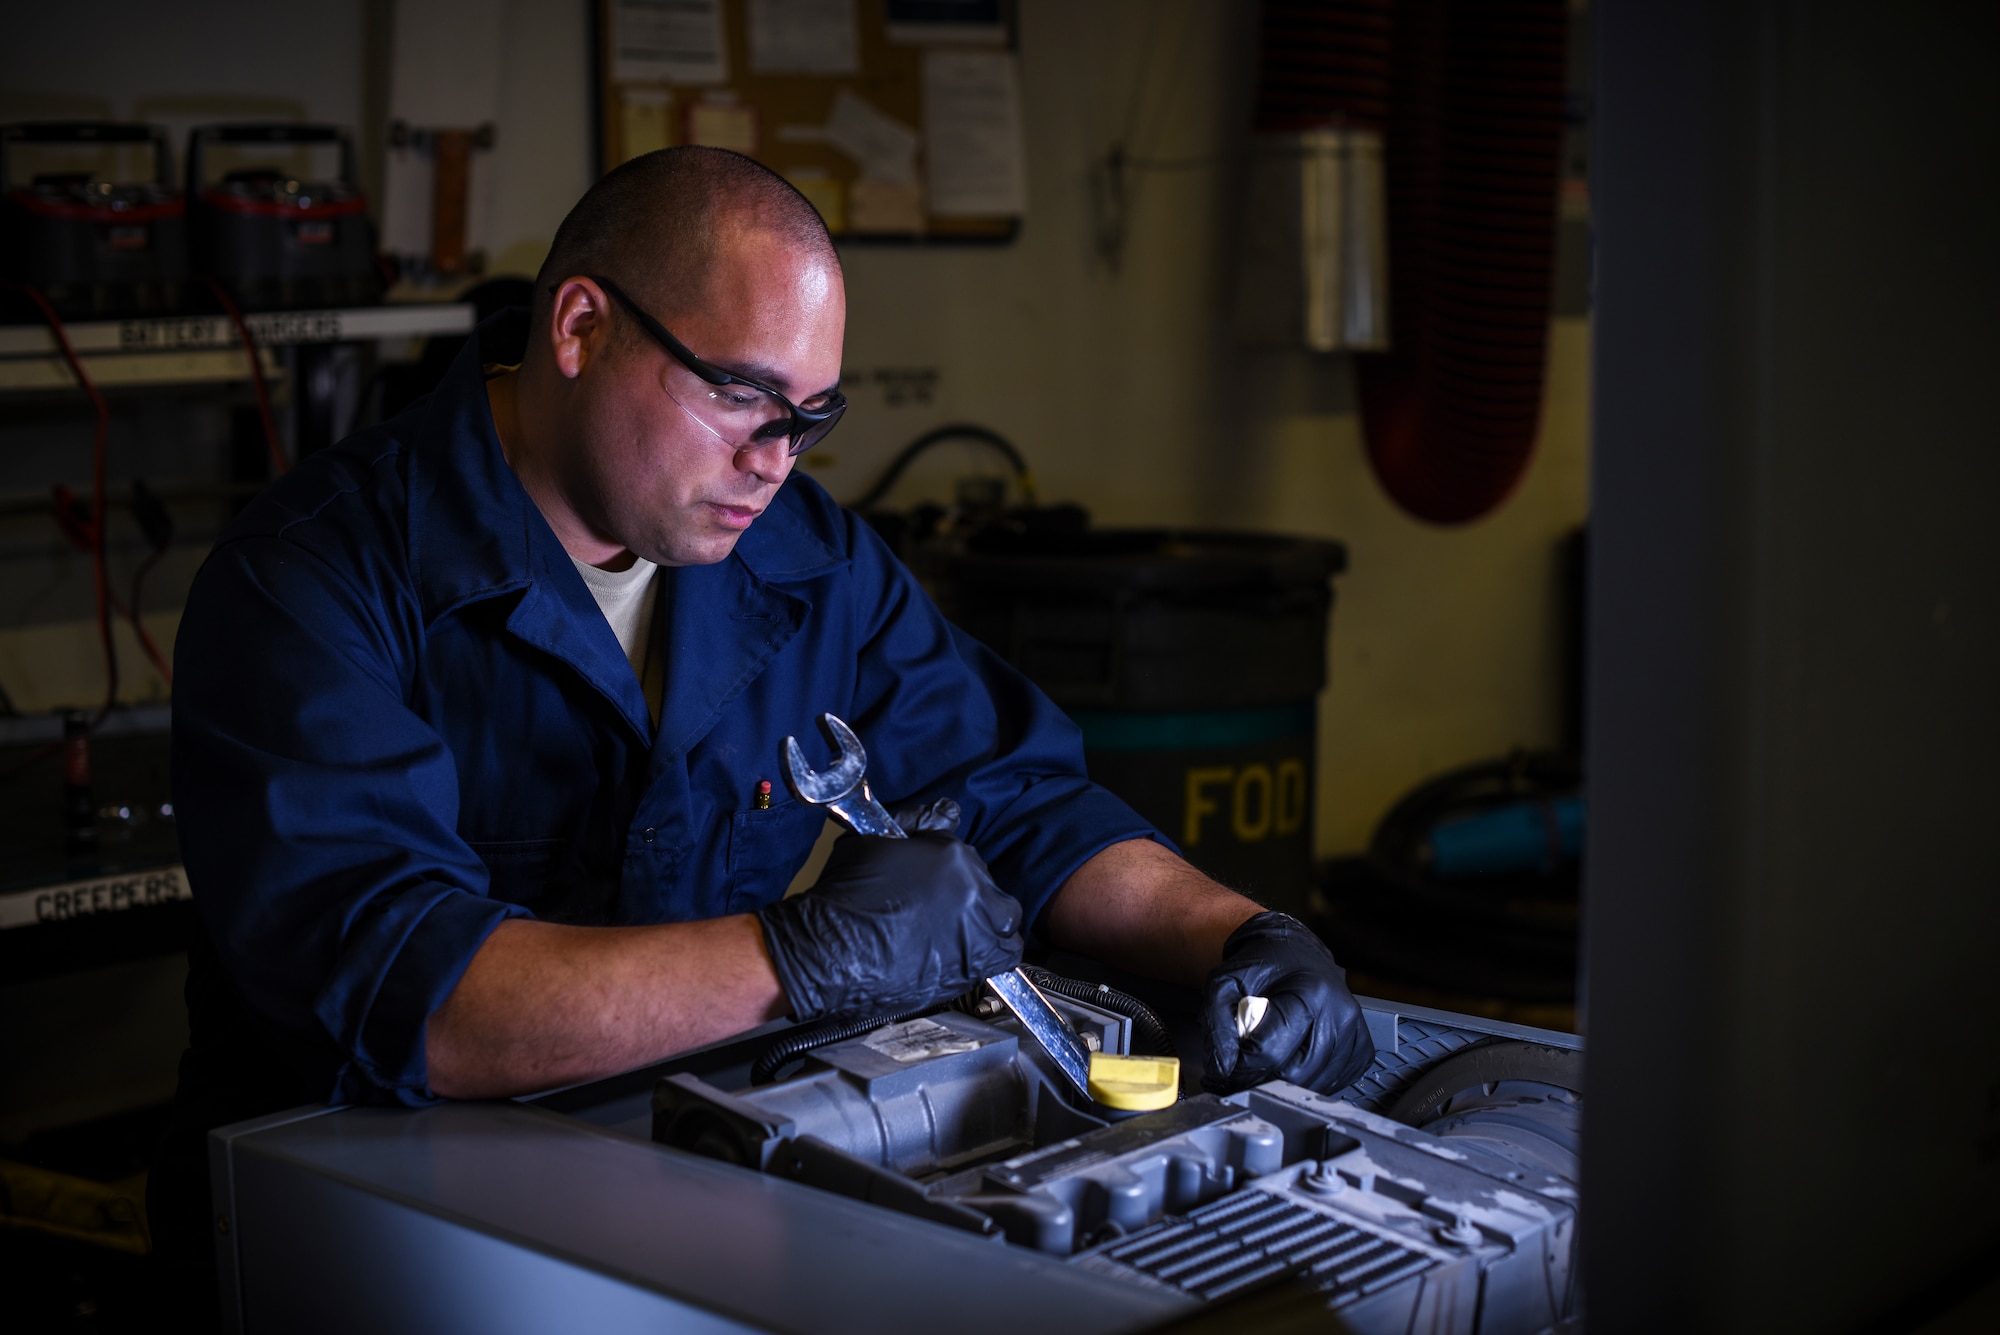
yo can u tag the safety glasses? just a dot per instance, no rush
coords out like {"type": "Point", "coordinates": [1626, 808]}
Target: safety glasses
{"type": "Point", "coordinates": [738, 411]}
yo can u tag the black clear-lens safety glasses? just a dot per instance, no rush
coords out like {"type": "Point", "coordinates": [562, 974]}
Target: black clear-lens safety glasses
{"type": "Point", "coordinates": [737, 410]}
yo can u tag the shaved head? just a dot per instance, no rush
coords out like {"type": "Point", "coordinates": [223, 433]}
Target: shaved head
{"type": "Point", "coordinates": [607, 420]}
{"type": "Point", "coordinates": [658, 223]}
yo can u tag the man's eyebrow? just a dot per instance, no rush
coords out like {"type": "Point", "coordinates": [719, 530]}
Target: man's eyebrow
{"type": "Point", "coordinates": [757, 371]}
{"type": "Point", "coordinates": [767, 375]}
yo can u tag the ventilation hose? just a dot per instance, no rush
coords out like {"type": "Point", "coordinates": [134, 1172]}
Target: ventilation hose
{"type": "Point", "coordinates": [1468, 96]}
{"type": "Point", "coordinates": [1473, 155]}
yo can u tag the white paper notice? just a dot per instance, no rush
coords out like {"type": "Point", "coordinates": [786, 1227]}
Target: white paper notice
{"type": "Point", "coordinates": [884, 146]}
{"type": "Point", "coordinates": [804, 37]}
{"type": "Point", "coordinates": [668, 41]}
{"type": "Point", "coordinates": [972, 132]}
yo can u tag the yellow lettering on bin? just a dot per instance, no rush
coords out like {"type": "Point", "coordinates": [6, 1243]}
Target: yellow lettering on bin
{"type": "Point", "coordinates": [1290, 805]}
{"type": "Point", "coordinates": [1199, 803]}
{"type": "Point", "coordinates": [1249, 830]}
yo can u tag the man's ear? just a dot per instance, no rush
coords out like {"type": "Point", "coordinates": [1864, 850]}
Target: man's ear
{"type": "Point", "coordinates": [579, 325]}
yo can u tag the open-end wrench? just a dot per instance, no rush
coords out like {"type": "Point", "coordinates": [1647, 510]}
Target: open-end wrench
{"type": "Point", "coordinates": [843, 791]}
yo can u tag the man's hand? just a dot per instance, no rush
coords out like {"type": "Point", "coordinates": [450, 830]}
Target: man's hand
{"type": "Point", "coordinates": [1139, 906]}
{"type": "Point", "coordinates": [893, 924]}
{"type": "Point", "coordinates": [1312, 1035]}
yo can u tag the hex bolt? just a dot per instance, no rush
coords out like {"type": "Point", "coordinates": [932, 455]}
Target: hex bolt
{"type": "Point", "coordinates": [1462, 1233]}
{"type": "Point", "coordinates": [1323, 1179]}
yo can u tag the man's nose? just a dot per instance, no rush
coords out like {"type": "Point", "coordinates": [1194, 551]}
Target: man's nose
{"type": "Point", "coordinates": [770, 460]}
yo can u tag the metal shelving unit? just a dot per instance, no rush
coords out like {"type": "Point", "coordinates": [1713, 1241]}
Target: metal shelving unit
{"type": "Point", "coordinates": [203, 349]}
{"type": "Point", "coordinates": [60, 913]}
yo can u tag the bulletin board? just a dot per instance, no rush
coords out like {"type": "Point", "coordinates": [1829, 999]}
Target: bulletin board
{"type": "Point", "coordinates": [899, 119]}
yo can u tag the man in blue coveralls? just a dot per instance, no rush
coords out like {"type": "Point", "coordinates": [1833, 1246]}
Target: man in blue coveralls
{"type": "Point", "coordinates": [472, 713]}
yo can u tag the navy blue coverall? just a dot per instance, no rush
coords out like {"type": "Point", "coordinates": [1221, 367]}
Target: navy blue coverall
{"type": "Point", "coordinates": [400, 719]}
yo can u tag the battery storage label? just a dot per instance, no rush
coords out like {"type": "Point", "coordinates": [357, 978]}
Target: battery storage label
{"type": "Point", "coordinates": [87, 899]}
{"type": "Point", "coordinates": [269, 329]}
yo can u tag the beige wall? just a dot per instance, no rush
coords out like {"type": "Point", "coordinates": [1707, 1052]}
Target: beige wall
{"type": "Point", "coordinates": [1128, 396]}
{"type": "Point", "coordinates": [1126, 393]}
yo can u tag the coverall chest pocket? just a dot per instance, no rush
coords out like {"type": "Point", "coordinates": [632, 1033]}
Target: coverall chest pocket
{"type": "Point", "coordinates": [766, 849]}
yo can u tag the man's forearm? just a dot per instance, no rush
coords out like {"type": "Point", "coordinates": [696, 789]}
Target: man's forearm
{"type": "Point", "coordinates": [544, 1005]}
{"type": "Point", "coordinates": [1141, 907]}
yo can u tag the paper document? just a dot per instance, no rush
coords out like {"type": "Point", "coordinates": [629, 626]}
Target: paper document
{"type": "Point", "coordinates": [825, 193]}
{"type": "Point", "coordinates": [884, 146]}
{"type": "Point", "coordinates": [804, 37]}
{"type": "Point", "coordinates": [886, 196]}
{"type": "Point", "coordinates": [645, 120]}
{"type": "Point", "coordinates": [972, 134]}
{"type": "Point", "coordinates": [885, 206]}
{"type": "Point", "coordinates": [723, 125]}
{"type": "Point", "coordinates": [668, 41]}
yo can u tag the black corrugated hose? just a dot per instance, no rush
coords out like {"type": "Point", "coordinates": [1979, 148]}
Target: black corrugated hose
{"type": "Point", "coordinates": [793, 1044]}
{"type": "Point", "coordinates": [1149, 1036]}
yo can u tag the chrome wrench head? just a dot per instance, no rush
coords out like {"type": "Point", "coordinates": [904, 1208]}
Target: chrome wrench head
{"type": "Point", "coordinates": [820, 788]}
{"type": "Point", "coordinates": [843, 790]}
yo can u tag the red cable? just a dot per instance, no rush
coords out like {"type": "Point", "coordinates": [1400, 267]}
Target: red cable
{"type": "Point", "coordinates": [75, 522]}
{"type": "Point", "coordinates": [278, 464]}
{"type": "Point", "coordinates": [98, 555]}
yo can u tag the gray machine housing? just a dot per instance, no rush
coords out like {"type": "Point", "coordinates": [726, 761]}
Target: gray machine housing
{"type": "Point", "coordinates": [1466, 1223]}
{"type": "Point", "coordinates": [563, 1212]}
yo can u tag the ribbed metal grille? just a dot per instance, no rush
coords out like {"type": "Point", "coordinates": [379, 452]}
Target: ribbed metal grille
{"type": "Point", "coordinates": [1252, 1238]}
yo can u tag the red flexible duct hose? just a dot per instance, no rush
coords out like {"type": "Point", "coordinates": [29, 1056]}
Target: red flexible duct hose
{"type": "Point", "coordinates": [1323, 64]}
{"type": "Point", "coordinates": [1473, 155]}
{"type": "Point", "coordinates": [1468, 94]}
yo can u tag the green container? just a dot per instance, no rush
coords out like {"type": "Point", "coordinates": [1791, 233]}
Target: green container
{"type": "Point", "coordinates": [1192, 661]}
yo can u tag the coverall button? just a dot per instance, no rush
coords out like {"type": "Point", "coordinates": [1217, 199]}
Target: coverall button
{"type": "Point", "coordinates": [647, 834]}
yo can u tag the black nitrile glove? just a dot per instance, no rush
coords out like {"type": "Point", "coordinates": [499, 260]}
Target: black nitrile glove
{"type": "Point", "coordinates": [939, 817]}
{"type": "Point", "coordinates": [892, 925]}
{"type": "Point", "coordinates": [1312, 1035]}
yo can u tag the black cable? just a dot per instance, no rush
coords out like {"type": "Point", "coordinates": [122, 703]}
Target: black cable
{"type": "Point", "coordinates": [145, 637]}
{"type": "Point", "coordinates": [158, 526]}
{"type": "Point", "coordinates": [1149, 1036]}
{"type": "Point", "coordinates": [793, 1044]}
{"type": "Point", "coordinates": [952, 431]}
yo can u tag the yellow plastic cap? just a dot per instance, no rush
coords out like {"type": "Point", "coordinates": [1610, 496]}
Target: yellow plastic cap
{"type": "Point", "coordinates": [1134, 1084]}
